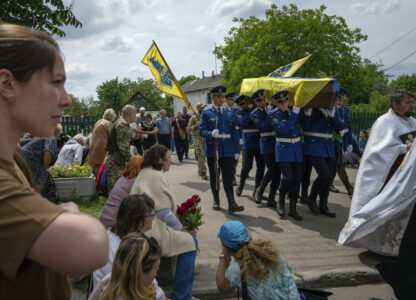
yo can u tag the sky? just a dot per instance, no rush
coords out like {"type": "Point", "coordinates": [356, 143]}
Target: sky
{"type": "Point", "coordinates": [117, 33]}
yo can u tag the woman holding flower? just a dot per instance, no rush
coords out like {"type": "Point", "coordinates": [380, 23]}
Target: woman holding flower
{"type": "Point", "coordinates": [173, 238]}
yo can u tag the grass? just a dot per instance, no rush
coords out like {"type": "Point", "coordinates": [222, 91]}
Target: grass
{"type": "Point", "coordinates": [94, 206]}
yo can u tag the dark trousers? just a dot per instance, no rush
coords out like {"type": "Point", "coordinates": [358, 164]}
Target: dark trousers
{"type": "Point", "coordinates": [138, 144]}
{"type": "Point", "coordinates": [306, 172]}
{"type": "Point", "coordinates": [180, 147]}
{"type": "Point", "coordinates": [226, 166]}
{"type": "Point", "coordinates": [290, 180]}
{"type": "Point", "coordinates": [336, 166]}
{"type": "Point", "coordinates": [164, 139]}
{"type": "Point", "coordinates": [186, 146]}
{"type": "Point", "coordinates": [249, 156]}
{"type": "Point", "coordinates": [273, 171]}
{"type": "Point", "coordinates": [323, 166]}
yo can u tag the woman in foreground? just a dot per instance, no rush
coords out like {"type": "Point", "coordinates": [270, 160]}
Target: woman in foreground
{"type": "Point", "coordinates": [40, 243]}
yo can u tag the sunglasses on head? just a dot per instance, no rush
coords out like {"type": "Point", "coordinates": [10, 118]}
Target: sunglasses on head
{"type": "Point", "coordinates": [152, 244]}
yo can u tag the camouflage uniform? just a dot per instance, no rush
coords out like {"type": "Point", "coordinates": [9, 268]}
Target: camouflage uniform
{"type": "Point", "coordinates": [198, 143]}
{"type": "Point", "coordinates": [118, 154]}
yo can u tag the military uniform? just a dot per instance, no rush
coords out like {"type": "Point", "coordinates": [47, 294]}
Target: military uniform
{"type": "Point", "coordinates": [319, 147]}
{"type": "Point", "coordinates": [118, 155]}
{"type": "Point", "coordinates": [193, 127]}
{"type": "Point", "coordinates": [289, 155]}
{"type": "Point", "coordinates": [218, 127]}
{"type": "Point", "coordinates": [345, 136]}
{"type": "Point", "coordinates": [260, 119]}
{"type": "Point", "coordinates": [251, 149]}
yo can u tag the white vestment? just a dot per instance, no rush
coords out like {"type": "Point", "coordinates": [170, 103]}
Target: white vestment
{"type": "Point", "coordinates": [377, 221]}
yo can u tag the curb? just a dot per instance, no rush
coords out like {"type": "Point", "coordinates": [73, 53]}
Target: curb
{"type": "Point", "coordinates": [311, 279]}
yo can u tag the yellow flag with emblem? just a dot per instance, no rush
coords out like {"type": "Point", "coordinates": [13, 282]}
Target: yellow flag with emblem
{"type": "Point", "coordinates": [163, 75]}
{"type": "Point", "coordinates": [289, 69]}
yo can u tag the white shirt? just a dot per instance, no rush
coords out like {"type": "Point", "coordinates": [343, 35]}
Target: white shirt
{"type": "Point", "coordinates": [70, 154]}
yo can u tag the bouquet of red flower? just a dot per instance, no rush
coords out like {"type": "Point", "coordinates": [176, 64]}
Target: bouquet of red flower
{"type": "Point", "coordinates": [190, 214]}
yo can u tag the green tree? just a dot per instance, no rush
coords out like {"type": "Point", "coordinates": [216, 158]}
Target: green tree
{"type": "Point", "coordinates": [378, 103]}
{"type": "Point", "coordinates": [112, 94]}
{"type": "Point", "coordinates": [256, 47]}
{"type": "Point", "coordinates": [407, 82]}
{"type": "Point", "coordinates": [77, 109]}
{"type": "Point", "coordinates": [45, 15]}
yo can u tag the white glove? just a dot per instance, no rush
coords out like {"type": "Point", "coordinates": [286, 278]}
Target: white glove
{"type": "Point", "coordinates": [324, 111]}
{"type": "Point", "coordinates": [349, 148]}
{"type": "Point", "coordinates": [331, 113]}
{"type": "Point", "coordinates": [342, 132]}
{"type": "Point", "coordinates": [215, 133]}
{"type": "Point", "coordinates": [236, 156]}
{"type": "Point", "coordinates": [308, 112]}
{"type": "Point", "coordinates": [295, 109]}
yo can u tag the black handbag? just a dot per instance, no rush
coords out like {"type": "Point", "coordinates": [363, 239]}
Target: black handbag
{"type": "Point", "coordinates": [50, 191]}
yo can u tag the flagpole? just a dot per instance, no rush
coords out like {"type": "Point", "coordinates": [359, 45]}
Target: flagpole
{"type": "Point", "coordinates": [174, 79]}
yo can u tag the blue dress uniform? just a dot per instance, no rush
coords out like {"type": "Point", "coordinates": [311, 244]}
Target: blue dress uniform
{"type": "Point", "coordinates": [260, 119]}
{"type": "Point", "coordinates": [341, 113]}
{"type": "Point", "coordinates": [230, 97]}
{"type": "Point", "coordinates": [221, 121]}
{"type": "Point", "coordinates": [288, 151]}
{"type": "Point", "coordinates": [251, 149]}
{"type": "Point", "coordinates": [319, 147]}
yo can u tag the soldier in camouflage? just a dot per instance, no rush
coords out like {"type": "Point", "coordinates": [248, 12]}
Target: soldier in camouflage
{"type": "Point", "coordinates": [118, 146]}
{"type": "Point", "coordinates": [193, 127]}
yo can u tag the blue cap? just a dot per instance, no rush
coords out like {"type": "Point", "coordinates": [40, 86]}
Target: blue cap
{"type": "Point", "coordinates": [258, 95]}
{"type": "Point", "coordinates": [281, 95]}
{"type": "Point", "coordinates": [230, 95]}
{"type": "Point", "coordinates": [240, 99]}
{"type": "Point", "coordinates": [342, 91]}
{"type": "Point", "coordinates": [219, 90]}
{"type": "Point", "coordinates": [234, 234]}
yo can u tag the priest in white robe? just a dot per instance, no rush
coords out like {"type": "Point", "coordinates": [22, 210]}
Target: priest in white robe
{"type": "Point", "coordinates": [390, 139]}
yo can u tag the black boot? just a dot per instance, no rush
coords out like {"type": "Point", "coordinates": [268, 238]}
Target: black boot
{"type": "Point", "coordinates": [234, 181]}
{"type": "Point", "coordinates": [240, 188]}
{"type": "Point", "coordinates": [323, 208]}
{"type": "Point", "coordinates": [260, 191]}
{"type": "Point", "coordinates": [232, 206]}
{"type": "Point", "coordinates": [255, 191]}
{"type": "Point", "coordinates": [281, 211]}
{"type": "Point", "coordinates": [311, 201]}
{"type": "Point", "coordinates": [270, 201]}
{"type": "Point", "coordinates": [333, 189]}
{"type": "Point", "coordinates": [304, 194]}
{"type": "Point", "coordinates": [292, 210]}
{"type": "Point", "coordinates": [216, 205]}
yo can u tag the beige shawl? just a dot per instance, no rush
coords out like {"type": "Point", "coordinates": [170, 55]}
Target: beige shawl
{"type": "Point", "coordinates": [155, 184]}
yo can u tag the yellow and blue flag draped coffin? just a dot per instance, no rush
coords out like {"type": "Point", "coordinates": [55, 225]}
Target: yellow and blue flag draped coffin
{"type": "Point", "coordinates": [303, 92]}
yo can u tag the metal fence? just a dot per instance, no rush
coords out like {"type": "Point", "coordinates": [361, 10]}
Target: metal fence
{"type": "Point", "coordinates": [73, 126]}
{"type": "Point", "coordinates": [362, 121]}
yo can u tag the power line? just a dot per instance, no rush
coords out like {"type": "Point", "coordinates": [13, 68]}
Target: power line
{"type": "Point", "coordinates": [385, 48]}
{"type": "Point", "coordinates": [414, 52]}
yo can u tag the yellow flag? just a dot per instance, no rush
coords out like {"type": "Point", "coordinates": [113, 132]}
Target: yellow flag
{"type": "Point", "coordinates": [289, 69]}
{"type": "Point", "coordinates": [164, 77]}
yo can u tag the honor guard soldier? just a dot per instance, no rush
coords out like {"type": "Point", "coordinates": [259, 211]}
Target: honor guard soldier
{"type": "Point", "coordinates": [221, 147]}
{"type": "Point", "coordinates": [260, 119]}
{"type": "Point", "coordinates": [288, 151]}
{"type": "Point", "coordinates": [344, 137]}
{"type": "Point", "coordinates": [229, 103]}
{"type": "Point", "coordinates": [318, 125]}
{"type": "Point", "coordinates": [251, 144]}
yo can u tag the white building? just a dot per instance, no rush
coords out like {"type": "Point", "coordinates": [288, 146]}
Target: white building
{"type": "Point", "coordinates": [197, 91]}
